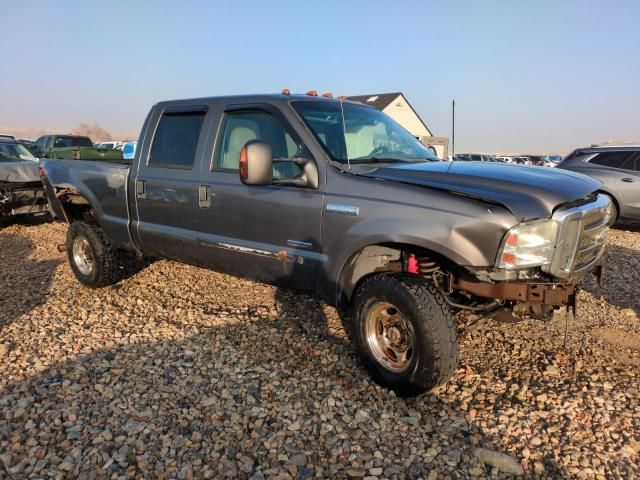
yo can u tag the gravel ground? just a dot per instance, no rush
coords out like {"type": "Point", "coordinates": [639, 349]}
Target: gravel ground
{"type": "Point", "coordinates": [179, 372]}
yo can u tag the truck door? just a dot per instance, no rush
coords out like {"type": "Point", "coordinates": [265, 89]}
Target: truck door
{"type": "Point", "coordinates": [165, 216]}
{"type": "Point", "coordinates": [270, 233]}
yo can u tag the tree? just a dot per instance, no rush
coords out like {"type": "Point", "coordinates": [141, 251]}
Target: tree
{"type": "Point", "coordinates": [94, 131]}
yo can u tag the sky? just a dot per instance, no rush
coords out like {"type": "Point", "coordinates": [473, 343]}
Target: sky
{"type": "Point", "coordinates": [527, 77]}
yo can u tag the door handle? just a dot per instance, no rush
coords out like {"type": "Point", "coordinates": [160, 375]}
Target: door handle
{"type": "Point", "coordinates": [204, 196]}
{"type": "Point", "coordinates": [628, 180]}
{"type": "Point", "coordinates": [141, 189]}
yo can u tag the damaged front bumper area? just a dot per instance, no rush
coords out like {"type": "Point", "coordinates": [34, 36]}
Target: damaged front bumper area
{"type": "Point", "coordinates": [24, 198]}
{"type": "Point", "coordinates": [540, 264]}
{"type": "Point", "coordinates": [511, 301]}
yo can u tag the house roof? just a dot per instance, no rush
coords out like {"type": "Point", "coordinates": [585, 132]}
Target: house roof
{"type": "Point", "coordinates": [377, 100]}
{"type": "Point", "coordinates": [383, 100]}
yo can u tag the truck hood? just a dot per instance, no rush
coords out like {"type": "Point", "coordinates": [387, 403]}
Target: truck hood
{"type": "Point", "coordinates": [528, 192]}
{"type": "Point", "coordinates": [26, 171]}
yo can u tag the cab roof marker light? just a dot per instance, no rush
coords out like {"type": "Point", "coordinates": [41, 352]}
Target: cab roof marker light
{"type": "Point", "coordinates": [312, 93]}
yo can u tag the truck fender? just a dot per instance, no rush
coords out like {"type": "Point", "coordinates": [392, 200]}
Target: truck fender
{"type": "Point", "coordinates": [75, 201]}
{"type": "Point", "coordinates": [339, 275]}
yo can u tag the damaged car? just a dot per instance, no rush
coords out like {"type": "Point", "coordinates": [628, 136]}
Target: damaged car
{"type": "Point", "coordinates": [21, 191]}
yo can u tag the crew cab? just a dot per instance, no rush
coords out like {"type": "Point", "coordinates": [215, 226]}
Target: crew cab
{"type": "Point", "coordinates": [335, 198]}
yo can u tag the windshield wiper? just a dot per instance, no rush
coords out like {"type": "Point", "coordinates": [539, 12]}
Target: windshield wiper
{"type": "Point", "coordinates": [380, 160]}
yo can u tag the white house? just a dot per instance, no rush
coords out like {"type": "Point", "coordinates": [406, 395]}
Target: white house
{"type": "Point", "coordinates": [398, 107]}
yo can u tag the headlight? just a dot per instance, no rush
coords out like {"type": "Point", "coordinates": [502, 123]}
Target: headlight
{"type": "Point", "coordinates": [528, 245]}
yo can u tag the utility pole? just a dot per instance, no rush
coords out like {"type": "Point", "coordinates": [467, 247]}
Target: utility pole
{"type": "Point", "coordinates": [453, 128]}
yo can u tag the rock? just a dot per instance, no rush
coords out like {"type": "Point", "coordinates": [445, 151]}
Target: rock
{"type": "Point", "coordinates": [257, 475]}
{"type": "Point", "coordinates": [299, 460]}
{"type": "Point", "coordinates": [353, 472]}
{"type": "Point", "coordinates": [453, 457]}
{"type": "Point", "coordinates": [67, 464]}
{"type": "Point", "coordinates": [552, 370]}
{"type": "Point", "coordinates": [415, 471]}
{"type": "Point", "coordinates": [245, 464]}
{"type": "Point", "coordinates": [361, 416]}
{"type": "Point", "coordinates": [295, 426]}
{"type": "Point", "coordinates": [503, 462]}
{"type": "Point", "coordinates": [476, 471]}
{"type": "Point", "coordinates": [4, 349]}
{"type": "Point", "coordinates": [6, 458]}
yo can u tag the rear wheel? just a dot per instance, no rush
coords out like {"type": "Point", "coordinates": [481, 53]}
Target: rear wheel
{"type": "Point", "coordinates": [404, 332]}
{"type": "Point", "coordinates": [94, 262]}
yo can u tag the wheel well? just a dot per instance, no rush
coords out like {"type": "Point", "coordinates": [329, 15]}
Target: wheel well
{"type": "Point", "coordinates": [613, 199]}
{"type": "Point", "coordinates": [386, 257]}
{"type": "Point", "coordinates": [76, 207]}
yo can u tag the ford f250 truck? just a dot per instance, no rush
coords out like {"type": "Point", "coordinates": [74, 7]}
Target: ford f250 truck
{"type": "Point", "coordinates": [335, 198]}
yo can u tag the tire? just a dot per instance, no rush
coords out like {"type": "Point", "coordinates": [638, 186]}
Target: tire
{"type": "Point", "coordinates": [417, 312]}
{"type": "Point", "coordinates": [94, 262]}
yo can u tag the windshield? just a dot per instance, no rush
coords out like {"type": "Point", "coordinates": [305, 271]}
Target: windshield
{"type": "Point", "coordinates": [366, 134]}
{"type": "Point", "coordinates": [14, 152]}
{"type": "Point", "coordinates": [62, 142]}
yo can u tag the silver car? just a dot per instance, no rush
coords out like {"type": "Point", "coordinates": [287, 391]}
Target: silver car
{"type": "Point", "coordinates": [618, 168]}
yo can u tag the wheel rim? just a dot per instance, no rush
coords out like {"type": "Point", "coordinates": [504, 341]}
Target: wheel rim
{"type": "Point", "coordinates": [82, 255]}
{"type": "Point", "coordinates": [389, 336]}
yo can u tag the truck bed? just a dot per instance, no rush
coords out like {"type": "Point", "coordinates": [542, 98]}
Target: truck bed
{"type": "Point", "coordinates": [102, 183]}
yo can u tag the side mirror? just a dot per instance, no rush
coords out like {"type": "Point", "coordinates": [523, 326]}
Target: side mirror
{"type": "Point", "coordinates": [256, 163]}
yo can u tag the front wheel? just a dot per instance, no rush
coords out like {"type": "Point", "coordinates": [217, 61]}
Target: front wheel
{"type": "Point", "coordinates": [93, 260]}
{"type": "Point", "coordinates": [404, 332]}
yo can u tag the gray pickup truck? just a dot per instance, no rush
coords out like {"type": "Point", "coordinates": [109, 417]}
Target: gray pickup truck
{"type": "Point", "coordinates": [335, 198]}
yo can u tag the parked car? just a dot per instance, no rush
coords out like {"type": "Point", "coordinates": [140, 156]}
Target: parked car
{"type": "Point", "coordinates": [520, 160]}
{"type": "Point", "coordinates": [335, 198]}
{"type": "Point", "coordinates": [73, 147]}
{"type": "Point", "coordinates": [552, 160]}
{"type": "Point", "coordinates": [536, 160]}
{"type": "Point", "coordinates": [21, 190]}
{"type": "Point", "coordinates": [129, 150]}
{"type": "Point", "coordinates": [111, 145]}
{"type": "Point", "coordinates": [504, 159]}
{"type": "Point", "coordinates": [618, 168]}
{"type": "Point", "coordinates": [29, 144]}
{"type": "Point", "coordinates": [475, 157]}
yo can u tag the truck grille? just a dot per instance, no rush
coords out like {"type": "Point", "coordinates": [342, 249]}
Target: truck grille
{"type": "Point", "coordinates": [582, 233]}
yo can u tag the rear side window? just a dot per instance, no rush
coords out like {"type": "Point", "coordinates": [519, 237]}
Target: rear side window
{"type": "Point", "coordinates": [622, 160]}
{"type": "Point", "coordinates": [67, 141]}
{"type": "Point", "coordinates": [176, 139]}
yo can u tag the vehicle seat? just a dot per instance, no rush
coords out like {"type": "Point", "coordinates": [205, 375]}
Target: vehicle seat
{"type": "Point", "coordinates": [239, 136]}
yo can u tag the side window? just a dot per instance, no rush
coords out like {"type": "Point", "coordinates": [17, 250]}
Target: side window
{"type": "Point", "coordinates": [621, 160]}
{"type": "Point", "coordinates": [238, 128]}
{"type": "Point", "coordinates": [176, 139]}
